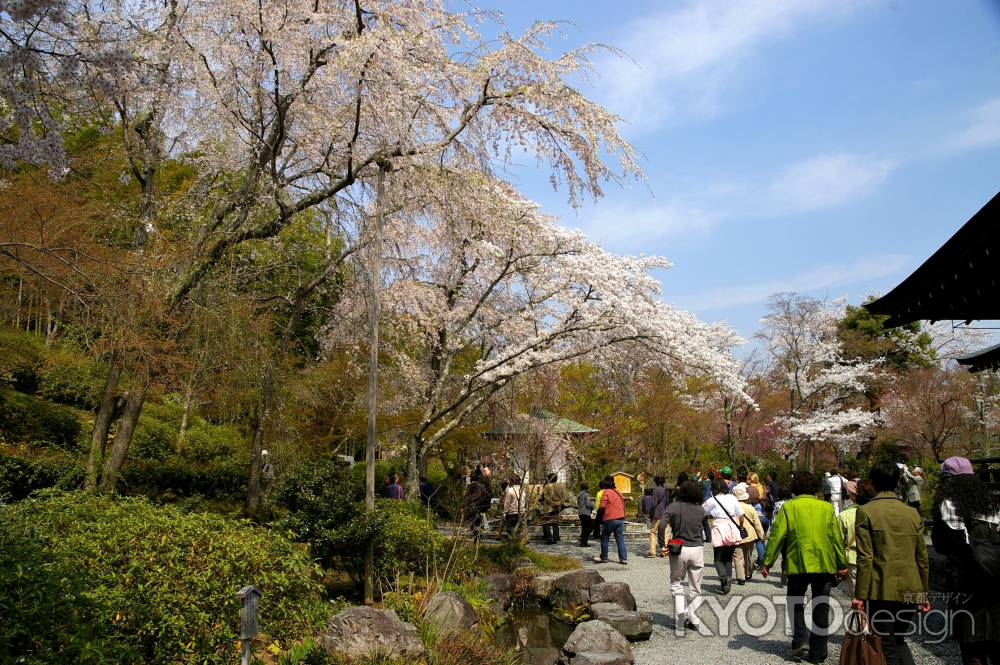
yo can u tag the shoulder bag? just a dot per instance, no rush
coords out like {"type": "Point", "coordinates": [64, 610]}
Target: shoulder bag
{"type": "Point", "coordinates": [743, 532]}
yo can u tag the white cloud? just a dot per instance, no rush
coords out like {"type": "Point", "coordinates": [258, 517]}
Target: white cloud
{"type": "Point", "coordinates": [826, 181]}
{"type": "Point", "coordinates": [682, 60]}
{"type": "Point", "coordinates": [623, 226]}
{"type": "Point", "coordinates": [982, 128]}
{"type": "Point", "coordinates": [817, 183]}
{"type": "Point", "coordinates": [863, 269]}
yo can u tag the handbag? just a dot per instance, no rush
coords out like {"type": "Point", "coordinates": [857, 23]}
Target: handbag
{"type": "Point", "coordinates": [861, 646]}
{"type": "Point", "coordinates": [743, 532]}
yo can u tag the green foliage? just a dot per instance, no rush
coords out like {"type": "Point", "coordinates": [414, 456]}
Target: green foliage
{"type": "Point", "coordinates": [324, 504]}
{"type": "Point", "coordinates": [98, 580]}
{"type": "Point", "coordinates": [177, 476]}
{"type": "Point", "coordinates": [153, 439]}
{"type": "Point", "coordinates": [166, 411]}
{"type": "Point", "coordinates": [21, 475]}
{"type": "Point", "coordinates": [28, 419]}
{"type": "Point", "coordinates": [207, 443]}
{"type": "Point", "coordinates": [73, 379]}
{"type": "Point", "coordinates": [864, 335]}
{"type": "Point", "coordinates": [403, 604]}
{"type": "Point", "coordinates": [21, 357]}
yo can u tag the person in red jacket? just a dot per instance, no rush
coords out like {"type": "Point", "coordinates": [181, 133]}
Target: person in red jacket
{"type": "Point", "coordinates": [614, 522]}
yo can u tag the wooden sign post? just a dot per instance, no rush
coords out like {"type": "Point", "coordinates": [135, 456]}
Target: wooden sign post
{"type": "Point", "coordinates": [248, 621]}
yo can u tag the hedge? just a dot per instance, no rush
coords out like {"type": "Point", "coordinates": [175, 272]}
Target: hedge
{"type": "Point", "coordinates": [89, 579]}
{"type": "Point", "coordinates": [29, 419]}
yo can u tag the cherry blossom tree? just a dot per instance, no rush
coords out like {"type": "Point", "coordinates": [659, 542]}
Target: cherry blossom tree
{"type": "Point", "coordinates": [825, 389]}
{"type": "Point", "coordinates": [494, 290]}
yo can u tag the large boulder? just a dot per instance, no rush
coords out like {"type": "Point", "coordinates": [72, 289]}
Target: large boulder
{"type": "Point", "coordinates": [450, 613]}
{"type": "Point", "coordinates": [613, 592]}
{"type": "Point", "coordinates": [363, 632]}
{"type": "Point", "coordinates": [597, 643]}
{"type": "Point", "coordinates": [635, 626]}
{"type": "Point", "coordinates": [599, 658]}
{"type": "Point", "coordinates": [573, 588]}
{"type": "Point", "coordinates": [541, 586]}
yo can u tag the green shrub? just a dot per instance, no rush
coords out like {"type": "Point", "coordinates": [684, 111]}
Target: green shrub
{"type": "Point", "coordinates": [20, 476]}
{"type": "Point", "coordinates": [178, 476]}
{"type": "Point", "coordinates": [101, 580]}
{"type": "Point", "coordinates": [71, 378]}
{"type": "Point", "coordinates": [168, 412]}
{"type": "Point", "coordinates": [324, 500]}
{"type": "Point", "coordinates": [204, 442]}
{"type": "Point", "coordinates": [28, 419]}
{"type": "Point", "coordinates": [21, 357]}
{"type": "Point", "coordinates": [153, 439]}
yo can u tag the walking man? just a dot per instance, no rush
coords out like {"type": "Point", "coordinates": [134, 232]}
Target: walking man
{"type": "Point", "coordinates": [553, 498]}
{"type": "Point", "coordinates": [806, 534]}
{"type": "Point", "coordinates": [892, 564]}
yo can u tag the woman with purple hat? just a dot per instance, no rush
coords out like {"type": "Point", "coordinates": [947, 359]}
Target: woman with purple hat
{"type": "Point", "coordinates": [967, 530]}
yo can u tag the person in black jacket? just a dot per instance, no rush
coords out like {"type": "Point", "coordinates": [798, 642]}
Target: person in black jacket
{"type": "Point", "coordinates": [475, 503]}
{"type": "Point", "coordinates": [966, 529]}
{"type": "Point", "coordinates": [658, 503]}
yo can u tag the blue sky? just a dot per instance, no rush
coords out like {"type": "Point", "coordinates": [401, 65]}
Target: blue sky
{"type": "Point", "coordinates": [823, 147]}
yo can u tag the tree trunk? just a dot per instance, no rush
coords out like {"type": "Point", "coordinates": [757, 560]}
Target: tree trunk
{"type": "Point", "coordinates": [188, 398]}
{"type": "Point", "coordinates": [102, 424]}
{"type": "Point", "coordinates": [376, 306]}
{"type": "Point", "coordinates": [123, 438]}
{"type": "Point", "coordinates": [260, 429]}
{"type": "Point", "coordinates": [20, 294]}
{"type": "Point", "coordinates": [413, 463]}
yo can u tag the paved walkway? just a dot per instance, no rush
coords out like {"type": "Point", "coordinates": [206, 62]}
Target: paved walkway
{"type": "Point", "coordinates": [649, 580]}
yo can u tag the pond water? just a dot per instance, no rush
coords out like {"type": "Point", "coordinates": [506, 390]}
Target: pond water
{"type": "Point", "coordinates": [535, 634]}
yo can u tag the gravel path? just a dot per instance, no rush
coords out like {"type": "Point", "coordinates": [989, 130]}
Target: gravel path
{"type": "Point", "coordinates": [649, 580]}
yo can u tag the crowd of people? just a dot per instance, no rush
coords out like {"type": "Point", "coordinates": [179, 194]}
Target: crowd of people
{"type": "Point", "coordinates": [865, 536]}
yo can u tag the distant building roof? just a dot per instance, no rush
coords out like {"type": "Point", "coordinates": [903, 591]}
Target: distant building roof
{"type": "Point", "coordinates": [988, 358]}
{"type": "Point", "coordinates": [539, 420]}
{"type": "Point", "coordinates": [958, 282]}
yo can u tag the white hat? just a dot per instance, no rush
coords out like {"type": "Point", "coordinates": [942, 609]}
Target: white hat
{"type": "Point", "coordinates": [740, 492]}
{"type": "Point", "coordinates": [264, 452]}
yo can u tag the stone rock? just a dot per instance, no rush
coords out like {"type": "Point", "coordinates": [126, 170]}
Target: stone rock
{"type": "Point", "coordinates": [613, 592]}
{"type": "Point", "coordinates": [573, 588]}
{"type": "Point", "coordinates": [635, 626]}
{"type": "Point", "coordinates": [500, 590]}
{"type": "Point", "coordinates": [544, 656]}
{"type": "Point", "coordinates": [450, 613]}
{"type": "Point", "coordinates": [597, 643]}
{"type": "Point", "coordinates": [361, 632]}
{"type": "Point", "coordinates": [541, 586]}
{"type": "Point", "coordinates": [599, 658]}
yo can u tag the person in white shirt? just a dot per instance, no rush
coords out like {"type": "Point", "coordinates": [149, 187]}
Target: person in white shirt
{"type": "Point", "coordinates": [834, 490]}
{"type": "Point", "coordinates": [723, 506]}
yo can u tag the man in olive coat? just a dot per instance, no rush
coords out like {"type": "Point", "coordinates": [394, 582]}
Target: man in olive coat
{"type": "Point", "coordinates": [892, 564]}
{"type": "Point", "coordinates": [553, 501]}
